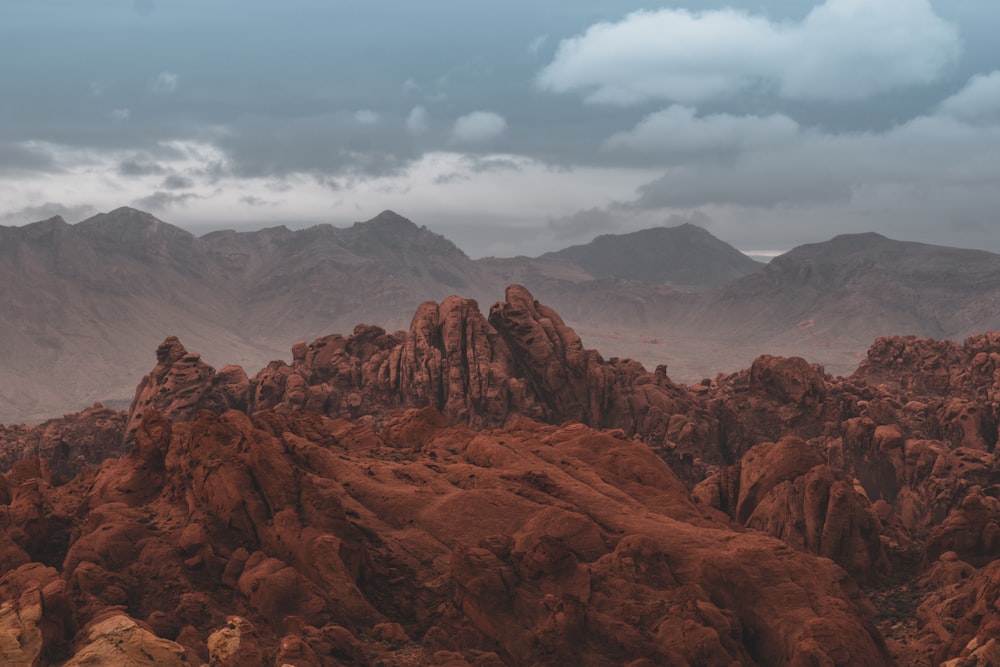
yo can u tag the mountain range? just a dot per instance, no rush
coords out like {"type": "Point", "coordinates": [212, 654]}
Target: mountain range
{"type": "Point", "coordinates": [83, 304]}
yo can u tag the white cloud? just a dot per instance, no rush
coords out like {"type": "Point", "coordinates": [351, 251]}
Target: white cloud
{"type": "Point", "coordinates": [121, 114]}
{"type": "Point", "coordinates": [417, 122]}
{"type": "Point", "coordinates": [680, 133]}
{"type": "Point", "coordinates": [366, 116]}
{"type": "Point", "coordinates": [842, 50]}
{"type": "Point", "coordinates": [165, 83]}
{"type": "Point", "coordinates": [978, 101]}
{"type": "Point", "coordinates": [478, 127]}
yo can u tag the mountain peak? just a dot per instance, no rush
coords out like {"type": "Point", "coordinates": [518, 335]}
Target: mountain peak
{"type": "Point", "coordinates": [684, 255]}
{"type": "Point", "coordinates": [388, 229]}
{"type": "Point", "coordinates": [127, 221]}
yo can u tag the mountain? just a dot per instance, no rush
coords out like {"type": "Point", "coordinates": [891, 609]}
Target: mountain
{"type": "Point", "coordinates": [83, 303]}
{"type": "Point", "coordinates": [686, 255]}
{"type": "Point", "coordinates": [485, 490]}
{"type": "Point", "coordinates": [829, 300]}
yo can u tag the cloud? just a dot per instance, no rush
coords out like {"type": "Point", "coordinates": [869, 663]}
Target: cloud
{"type": "Point", "coordinates": [366, 116]}
{"type": "Point", "coordinates": [842, 50]}
{"type": "Point", "coordinates": [121, 114]}
{"type": "Point", "coordinates": [328, 144]}
{"type": "Point", "coordinates": [583, 224]}
{"type": "Point", "coordinates": [953, 147]}
{"type": "Point", "coordinates": [165, 83]}
{"type": "Point", "coordinates": [177, 182]}
{"type": "Point", "coordinates": [161, 201]}
{"type": "Point", "coordinates": [679, 133]}
{"type": "Point", "coordinates": [49, 210]}
{"type": "Point", "coordinates": [417, 122]}
{"type": "Point", "coordinates": [25, 157]}
{"type": "Point", "coordinates": [253, 200]}
{"type": "Point", "coordinates": [139, 167]}
{"type": "Point", "coordinates": [977, 102]}
{"type": "Point", "coordinates": [478, 127]}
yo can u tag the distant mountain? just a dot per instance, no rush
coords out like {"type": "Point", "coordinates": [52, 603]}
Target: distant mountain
{"type": "Point", "coordinates": [686, 255]}
{"type": "Point", "coordinates": [83, 304]}
{"type": "Point", "coordinates": [829, 300]}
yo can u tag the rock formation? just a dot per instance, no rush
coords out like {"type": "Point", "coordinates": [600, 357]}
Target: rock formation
{"type": "Point", "coordinates": [483, 490]}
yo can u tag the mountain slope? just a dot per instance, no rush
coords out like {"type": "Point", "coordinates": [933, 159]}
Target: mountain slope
{"type": "Point", "coordinates": [824, 298]}
{"type": "Point", "coordinates": [82, 303]}
{"type": "Point", "coordinates": [685, 255]}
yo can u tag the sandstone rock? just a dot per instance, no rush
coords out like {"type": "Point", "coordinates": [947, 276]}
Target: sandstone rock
{"type": "Point", "coordinates": [119, 641]}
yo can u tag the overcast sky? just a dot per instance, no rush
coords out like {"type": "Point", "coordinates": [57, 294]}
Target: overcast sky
{"type": "Point", "coordinates": [512, 127]}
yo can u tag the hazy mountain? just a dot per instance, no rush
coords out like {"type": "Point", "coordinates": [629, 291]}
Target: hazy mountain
{"type": "Point", "coordinates": [83, 304]}
{"type": "Point", "coordinates": [685, 255]}
{"type": "Point", "coordinates": [828, 301]}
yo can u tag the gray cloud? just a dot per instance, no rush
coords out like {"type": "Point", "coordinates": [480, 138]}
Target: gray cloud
{"type": "Point", "coordinates": [162, 201]}
{"type": "Point", "coordinates": [324, 144]}
{"type": "Point", "coordinates": [19, 158]}
{"type": "Point", "coordinates": [139, 167]}
{"type": "Point", "coordinates": [49, 210]}
{"type": "Point", "coordinates": [478, 127]}
{"type": "Point", "coordinates": [679, 134]}
{"type": "Point", "coordinates": [583, 224]}
{"type": "Point", "coordinates": [177, 182]}
{"type": "Point", "coordinates": [252, 200]}
{"type": "Point", "coordinates": [929, 152]}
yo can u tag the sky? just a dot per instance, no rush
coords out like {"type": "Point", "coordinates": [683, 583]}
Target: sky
{"type": "Point", "coordinates": [511, 127]}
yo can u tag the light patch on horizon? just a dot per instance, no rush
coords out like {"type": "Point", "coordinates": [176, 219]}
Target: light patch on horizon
{"type": "Point", "coordinates": [690, 57]}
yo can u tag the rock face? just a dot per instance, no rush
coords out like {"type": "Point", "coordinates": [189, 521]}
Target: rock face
{"type": "Point", "coordinates": [520, 361]}
{"type": "Point", "coordinates": [251, 538]}
{"type": "Point", "coordinates": [67, 444]}
{"type": "Point", "coordinates": [484, 490]}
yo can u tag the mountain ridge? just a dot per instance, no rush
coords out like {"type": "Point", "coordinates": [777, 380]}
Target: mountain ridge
{"type": "Point", "coordinates": [84, 303]}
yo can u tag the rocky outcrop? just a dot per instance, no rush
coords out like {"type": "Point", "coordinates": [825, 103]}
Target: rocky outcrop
{"type": "Point", "coordinates": [485, 490]}
{"type": "Point", "coordinates": [181, 384]}
{"type": "Point", "coordinates": [67, 444]}
{"type": "Point", "coordinates": [786, 490]}
{"type": "Point", "coordinates": [520, 361]}
{"type": "Point", "coordinates": [254, 539]}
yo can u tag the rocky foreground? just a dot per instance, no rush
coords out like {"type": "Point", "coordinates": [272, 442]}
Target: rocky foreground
{"type": "Point", "coordinates": [482, 490]}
